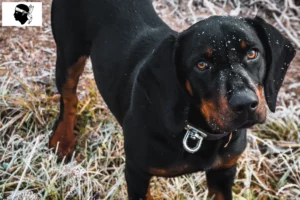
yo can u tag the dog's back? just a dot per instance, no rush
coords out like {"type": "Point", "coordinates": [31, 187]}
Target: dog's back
{"type": "Point", "coordinates": [120, 31]}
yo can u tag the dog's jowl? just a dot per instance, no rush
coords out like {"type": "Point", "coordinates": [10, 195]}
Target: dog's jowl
{"type": "Point", "coordinates": [184, 100]}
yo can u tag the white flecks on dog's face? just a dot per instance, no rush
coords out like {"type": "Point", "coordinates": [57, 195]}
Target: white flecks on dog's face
{"type": "Point", "coordinates": [224, 45]}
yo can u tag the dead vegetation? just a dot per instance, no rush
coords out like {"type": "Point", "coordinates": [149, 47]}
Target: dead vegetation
{"type": "Point", "coordinates": [269, 168]}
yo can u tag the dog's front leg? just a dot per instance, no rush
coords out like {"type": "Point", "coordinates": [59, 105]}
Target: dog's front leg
{"type": "Point", "coordinates": [137, 183]}
{"type": "Point", "coordinates": [220, 182]}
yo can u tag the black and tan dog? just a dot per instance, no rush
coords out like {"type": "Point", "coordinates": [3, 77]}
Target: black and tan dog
{"type": "Point", "coordinates": [216, 76]}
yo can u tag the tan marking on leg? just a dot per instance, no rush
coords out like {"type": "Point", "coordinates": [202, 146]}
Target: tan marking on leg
{"type": "Point", "coordinates": [216, 195]}
{"type": "Point", "coordinates": [64, 133]}
{"type": "Point", "coordinates": [148, 195]}
{"type": "Point", "coordinates": [188, 87]}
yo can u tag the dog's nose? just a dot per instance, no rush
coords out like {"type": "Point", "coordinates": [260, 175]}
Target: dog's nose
{"type": "Point", "coordinates": [243, 101]}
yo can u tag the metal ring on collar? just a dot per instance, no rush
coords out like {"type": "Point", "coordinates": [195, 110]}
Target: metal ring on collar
{"type": "Point", "coordinates": [191, 134]}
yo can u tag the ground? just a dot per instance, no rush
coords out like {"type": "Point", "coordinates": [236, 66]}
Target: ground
{"type": "Point", "coordinates": [269, 168]}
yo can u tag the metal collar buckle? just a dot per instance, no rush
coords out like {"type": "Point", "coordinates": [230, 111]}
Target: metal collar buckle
{"type": "Point", "coordinates": [194, 134]}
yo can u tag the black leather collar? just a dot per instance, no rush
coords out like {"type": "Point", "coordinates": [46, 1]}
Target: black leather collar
{"type": "Point", "coordinates": [205, 134]}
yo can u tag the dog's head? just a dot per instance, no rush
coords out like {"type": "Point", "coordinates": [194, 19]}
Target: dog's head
{"type": "Point", "coordinates": [231, 67]}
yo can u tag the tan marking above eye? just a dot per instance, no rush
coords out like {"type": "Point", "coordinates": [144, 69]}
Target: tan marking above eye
{"type": "Point", "coordinates": [243, 44]}
{"type": "Point", "coordinates": [209, 52]}
{"type": "Point", "coordinates": [252, 54]}
{"type": "Point", "coordinates": [202, 65]}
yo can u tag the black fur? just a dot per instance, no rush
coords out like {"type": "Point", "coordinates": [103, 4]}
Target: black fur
{"type": "Point", "coordinates": [141, 68]}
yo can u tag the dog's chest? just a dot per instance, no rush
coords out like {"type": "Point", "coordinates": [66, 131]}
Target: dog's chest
{"type": "Point", "coordinates": [223, 157]}
{"type": "Point", "coordinates": [191, 166]}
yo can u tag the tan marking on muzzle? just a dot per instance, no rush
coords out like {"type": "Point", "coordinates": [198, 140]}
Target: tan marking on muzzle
{"type": "Point", "coordinates": [261, 109]}
{"type": "Point", "coordinates": [189, 87]}
{"type": "Point", "coordinates": [215, 113]}
{"type": "Point", "coordinates": [207, 108]}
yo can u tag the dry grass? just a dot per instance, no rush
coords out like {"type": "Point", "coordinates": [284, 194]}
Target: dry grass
{"type": "Point", "coordinates": [269, 168]}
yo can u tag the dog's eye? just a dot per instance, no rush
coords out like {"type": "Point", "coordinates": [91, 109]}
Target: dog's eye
{"type": "Point", "coordinates": [252, 54]}
{"type": "Point", "coordinates": [202, 65]}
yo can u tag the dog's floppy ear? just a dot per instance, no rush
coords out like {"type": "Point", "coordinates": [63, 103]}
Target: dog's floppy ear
{"type": "Point", "coordinates": [279, 53]}
{"type": "Point", "coordinates": [159, 86]}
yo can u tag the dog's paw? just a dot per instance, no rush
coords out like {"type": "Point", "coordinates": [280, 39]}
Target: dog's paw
{"type": "Point", "coordinates": [64, 143]}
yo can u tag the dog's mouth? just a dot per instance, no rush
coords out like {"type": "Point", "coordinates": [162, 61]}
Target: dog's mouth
{"type": "Point", "coordinates": [234, 125]}
{"type": "Point", "coordinates": [247, 124]}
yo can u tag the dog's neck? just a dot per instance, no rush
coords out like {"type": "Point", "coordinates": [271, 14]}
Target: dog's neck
{"type": "Point", "coordinates": [198, 134]}
{"type": "Point", "coordinates": [197, 121]}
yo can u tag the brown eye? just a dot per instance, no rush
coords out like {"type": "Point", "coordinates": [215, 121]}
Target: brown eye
{"type": "Point", "coordinates": [202, 65]}
{"type": "Point", "coordinates": [252, 54]}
